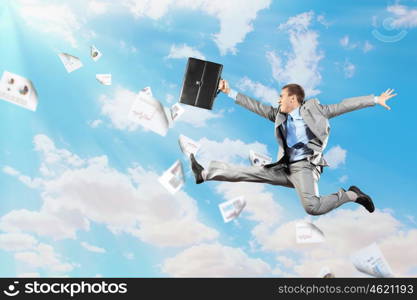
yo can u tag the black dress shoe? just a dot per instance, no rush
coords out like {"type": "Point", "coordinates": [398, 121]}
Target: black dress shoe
{"type": "Point", "coordinates": [197, 169]}
{"type": "Point", "coordinates": [363, 199]}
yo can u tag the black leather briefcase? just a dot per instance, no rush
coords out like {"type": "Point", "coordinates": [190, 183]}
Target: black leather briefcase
{"type": "Point", "coordinates": [201, 81]}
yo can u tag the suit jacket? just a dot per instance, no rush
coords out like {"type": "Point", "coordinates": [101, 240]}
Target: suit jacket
{"type": "Point", "coordinates": [314, 114]}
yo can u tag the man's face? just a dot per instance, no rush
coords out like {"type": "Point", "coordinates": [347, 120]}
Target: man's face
{"type": "Point", "coordinates": [287, 103]}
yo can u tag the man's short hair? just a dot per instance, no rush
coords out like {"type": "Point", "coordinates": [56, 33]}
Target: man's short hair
{"type": "Point", "coordinates": [295, 89]}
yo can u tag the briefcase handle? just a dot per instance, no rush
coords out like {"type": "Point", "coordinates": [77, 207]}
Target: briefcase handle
{"type": "Point", "coordinates": [218, 91]}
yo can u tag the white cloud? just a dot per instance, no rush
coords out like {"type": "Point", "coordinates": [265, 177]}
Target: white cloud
{"type": "Point", "coordinates": [286, 261]}
{"type": "Point", "coordinates": [10, 171]}
{"type": "Point", "coordinates": [95, 123]}
{"type": "Point", "coordinates": [129, 255]}
{"type": "Point", "coordinates": [322, 20]}
{"type": "Point", "coordinates": [404, 16]}
{"type": "Point", "coordinates": [58, 225]}
{"type": "Point", "coordinates": [117, 108]}
{"type": "Point", "coordinates": [346, 231]}
{"type": "Point", "coordinates": [335, 156]}
{"type": "Point", "coordinates": [169, 98]}
{"type": "Point", "coordinates": [343, 179]}
{"type": "Point", "coordinates": [29, 275]}
{"type": "Point", "coordinates": [44, 256]}
{"type": "Point", "coordinates": [97, 7]}
{"type": "Point", "coordinates": [346, 43]}
{"type": "Point", "coordinates": [259, 90]}
{"type": "Point", "coordinates": [133, 203]}
{"type": "Point", "coordinates": [92, 248]}
{"type": "Point", "coordinates": [235, 16]}
{"type": "Point", "coordinates": [32, 183]}
{"type": "Point", "coordinates": [152, 9]}
{"type": "Point", "coordinates": [198, 117]}
{"type": "Point", "coordinates": [16, 241]}
{"type": "Point", "coordinates": [411, 219]}
{"type": "Point", "coordinates": [54, 160]}
{"type": "Point", "coordinates": [302, 64]}
{"type": "Point", "coordinates": [367, 47]}
{"type": "Point", "coordinates": [214, 260]}
{"type": "Point", "coordinates": [56, 19]}
{"type": "Point", "coordinates": [231, 151]}
{"type": "Point", "coordinates": [127, 47]}
{"type": "Point", "coordinates": [349, 69]}
{"type": "Point", "coordinates": [184, 51]}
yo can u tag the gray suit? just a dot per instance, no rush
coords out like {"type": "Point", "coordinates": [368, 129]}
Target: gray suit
{"type": "Point", "coordinates": [302, 175]}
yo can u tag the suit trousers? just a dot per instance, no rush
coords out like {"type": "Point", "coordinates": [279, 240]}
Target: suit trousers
{"type": "Point", "coordinates": [301, 175]}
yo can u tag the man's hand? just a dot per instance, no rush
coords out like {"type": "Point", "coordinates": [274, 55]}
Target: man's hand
{"type": "Point", "coordinates": [224, 86]}
{"type": "Point", "coordinates": [384, 97]}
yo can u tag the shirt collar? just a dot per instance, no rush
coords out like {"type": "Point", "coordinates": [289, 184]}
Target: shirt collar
{"type": "Point", "coordinates": [295, 114]}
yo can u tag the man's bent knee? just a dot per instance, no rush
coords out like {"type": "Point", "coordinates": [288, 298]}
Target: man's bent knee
{"type": "Point", "coordinates": [312, 205]}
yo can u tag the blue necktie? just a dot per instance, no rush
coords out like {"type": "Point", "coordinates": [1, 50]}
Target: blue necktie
{"type": "Point", "coordinates": [291, 134]}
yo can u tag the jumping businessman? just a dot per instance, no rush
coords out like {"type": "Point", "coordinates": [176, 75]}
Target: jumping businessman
{"type": "Point", "coordinates": [302, 131]}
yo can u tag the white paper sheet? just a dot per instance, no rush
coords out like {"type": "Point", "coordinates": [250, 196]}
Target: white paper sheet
{"type": "Point", "coordinates": [176, 111]}
{"type": "Point", "coordinates": [18, 90]}
{"type": "Point", "coordinates": [308, 233]}
{"type": "Point", "coordinates": [104, 79]}
{"type": "Point", "coordinates": [371, 261]}
{"type": "Point", "coordinates": [325, 272]}
{"type": "Point", "coordinates": [71, 63]}
{"type": "Point", "coordinates": [173, 178]}
{"type": "Point", "coordinates": [188, 146]}
{"type": "Point", "coordinates": [149, 112]}
{"type": "Point", "coordinates": [95, 53]}
{"type": "Point", "coordinates": [231, 209]}
{"type": "Point", "coordinates": [258, 159]}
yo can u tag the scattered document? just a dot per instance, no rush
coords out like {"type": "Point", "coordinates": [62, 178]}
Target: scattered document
{"type": "Point", "coordinates": [231, 209]}
{"type": "Point", "coordinates": [308, 233]}
{"type": "Point", "coordinates": [325, 272]}
{"type": "Point", "coordinates": [71, 63]}
{"type": "Point", "coordinates": [149, 112]}
{"type": "Point", "coordinates": [188, 146]}
{"type": "Point", "coordinates": [176, 111]}
{"type": "Point", "coordinates": [104, 79]}
{"type": "Point", "coordinates": [18, 90]}
{"type": "Point", "coordinates": [258, 159]}
{"type": "Point", "coordinates": [95, 53]}
{"type": "Point", "coordinates": [371, 261]}
{"type": "Point", "coordinates": [173, 178]}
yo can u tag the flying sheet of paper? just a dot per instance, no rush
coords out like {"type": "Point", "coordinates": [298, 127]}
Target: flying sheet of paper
{"type": "Point", "coordinates": [176, 111]}
{"type": "Point", "coordinates": [18, 90]}
{"type": "Point", "coordinates": [371, 261]}
{"type": "Point", "coordinates": [308, 233]}
{"type": "Point", "coordinates": [231, 209]}
{"type": "Point", "coordinates": [173, 178]}
{"type": "Point", "coordinates": [95, 53]}
{"type": "Point", "coordinates": [258, 159]}
{"type": "Point", "coordinates": [71, 63]}
{"type": "Point", "coordinates": [188, 146]}
{"type": "Point", "coordinates": [149, 112]}
{"type": "Point", "coordinates": [104, 79]}
{"type": "Point", "coordinates": [325, 272]}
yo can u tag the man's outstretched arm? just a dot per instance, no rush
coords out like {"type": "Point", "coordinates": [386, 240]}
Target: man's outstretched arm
{"type": "Point", "coordinates": [351, 104]}
{"type": "Point", "coordinates": [266, 111]}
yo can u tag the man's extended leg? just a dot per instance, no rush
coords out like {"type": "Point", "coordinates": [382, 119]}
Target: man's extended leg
{"type": "Point", "coordinates": [220, 171]}
{"type": "Point", "coordinates": [305, 177]}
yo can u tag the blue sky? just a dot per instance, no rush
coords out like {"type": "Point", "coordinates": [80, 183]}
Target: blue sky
{"type": "Point", "coordinates": [78, 182]}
